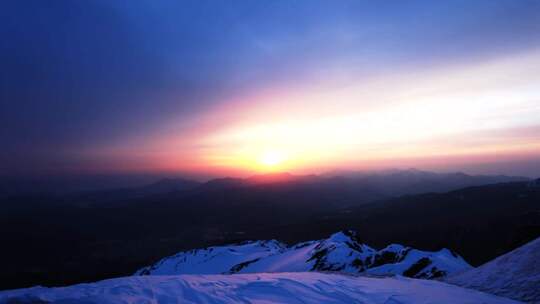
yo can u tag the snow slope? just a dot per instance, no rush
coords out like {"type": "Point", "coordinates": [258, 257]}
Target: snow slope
{"type": "Point", "coordinates": [306, 287]}
{"type": "Point", "coordinates": [514, 275]}
{"type": "Point", "coordinates": [340, 252]}
{"type": "Point", "coordinates": [220, 259]}
{"type": "Point", "coordinates": [419, 264]}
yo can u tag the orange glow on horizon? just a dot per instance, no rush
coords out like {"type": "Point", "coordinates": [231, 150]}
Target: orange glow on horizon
{"type": "Point", "coordinates": [485, 109]}
{"type": "Point", "coordinates": [457, 111]}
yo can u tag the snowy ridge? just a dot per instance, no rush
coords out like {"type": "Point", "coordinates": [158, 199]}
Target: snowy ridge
{"type": "Point", "coordinates": [209, 260]}
{"type": "Point", "coordinates": [514, 275]}
{"type": "Point", "coordinates": [397, 259]}
{"type": "Point", "coordinates": [341, 252]}
{"type": "Point", "coordinates": [306, 287]}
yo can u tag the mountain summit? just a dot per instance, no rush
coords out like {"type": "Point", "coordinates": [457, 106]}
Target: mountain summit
{"type": "Point", "coordinates": [342, 252]}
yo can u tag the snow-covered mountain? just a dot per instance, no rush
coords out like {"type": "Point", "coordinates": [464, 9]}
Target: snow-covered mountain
{"type": "Point", "coordinates": [342, 252]}
{"type": "Point", "coordinates": [514, 275]}
{"type": "Point", "coordinates": [299, 287]}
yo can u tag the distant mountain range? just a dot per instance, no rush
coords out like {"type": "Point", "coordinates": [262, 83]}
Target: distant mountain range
{"type": "Point", "coordinates": [321, 191]}
{"type": "Point", "coordinates": [375, 184]}
{"type": "Point", "coordinates": [161, 187]}
{"type": "Point", "coordinates": [397, 182]}
{"type": "Point", "coordinates": [363, 186]}
{"type": "Point", "coordinates": [341, 252]}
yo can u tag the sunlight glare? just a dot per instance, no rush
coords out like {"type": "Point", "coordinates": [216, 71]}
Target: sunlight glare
{"type": "Point", "coordinates": [271, 158]}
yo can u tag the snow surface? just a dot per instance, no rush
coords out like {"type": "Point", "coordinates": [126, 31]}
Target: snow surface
{"type": "Point", "coordinates": [443, 260]}
{"type": "Point", "coordinates": [211, 260]}
{"type": "Point", "coordinates": [341, 252]}
{"type": "Point", "coordinates": [514, 275]}
{"type": "Point", "coordinates": [306, 287]}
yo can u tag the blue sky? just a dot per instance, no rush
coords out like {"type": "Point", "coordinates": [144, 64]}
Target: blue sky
{"type": "Point", "coordinates": [83, 78]}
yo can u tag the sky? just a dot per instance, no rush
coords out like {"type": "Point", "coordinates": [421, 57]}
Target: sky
{"type": "Point", "coordinates": [239, 87]}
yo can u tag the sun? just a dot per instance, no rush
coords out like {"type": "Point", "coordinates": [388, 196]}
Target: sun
{"type": "Point", "coordinates": [271, 159]}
